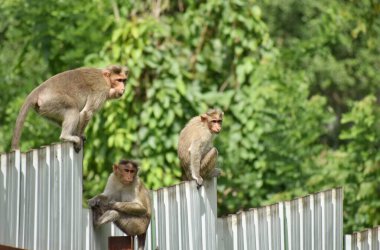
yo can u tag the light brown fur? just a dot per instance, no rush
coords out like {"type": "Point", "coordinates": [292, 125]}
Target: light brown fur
{"type": "Point", "coordinates": [196, 153]}
{"type": "Point", "coordinates": [71, 98]}
{"type": "Point", "coordinates": [128, 205]}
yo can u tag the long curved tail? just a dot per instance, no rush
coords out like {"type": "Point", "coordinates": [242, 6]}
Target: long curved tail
{"type": "Point", "coordinates": [20, 121]}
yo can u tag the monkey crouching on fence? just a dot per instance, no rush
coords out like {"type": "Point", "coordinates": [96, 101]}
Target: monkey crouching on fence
{"type": "Point", "coordinates": [71, 98]}
{"type": "Point", "coordinates": [197, 155]}
{"type": "Point", "coordinates": [125, 201]}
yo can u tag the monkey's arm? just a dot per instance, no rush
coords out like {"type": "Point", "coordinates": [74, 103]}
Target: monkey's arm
{"type": "Point", "coordinates": [132, 208]}
{"type": "Point", "coordinates": [87, 113]}
{"type": "Point", "coordinates": [97, 200]}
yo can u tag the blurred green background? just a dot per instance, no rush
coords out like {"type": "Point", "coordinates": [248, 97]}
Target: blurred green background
{"type": "Point", "coordinates": [298, 82]}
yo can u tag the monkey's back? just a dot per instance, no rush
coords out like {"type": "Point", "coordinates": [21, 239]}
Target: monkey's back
{"type": "Point", "coordinates": [190, 132]}
{"type": "Point", "coordinates": [80, 79]}
{"type": "Point", "coordinates": [75, 87]}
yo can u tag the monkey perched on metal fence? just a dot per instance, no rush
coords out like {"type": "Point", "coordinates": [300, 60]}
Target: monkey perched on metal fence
{"type": "Point", "coordinates": [71, 98]}
{"type": "Point", "coordinates": [196, 153]}
{"type": "Point", "coordinates": [125, 201]}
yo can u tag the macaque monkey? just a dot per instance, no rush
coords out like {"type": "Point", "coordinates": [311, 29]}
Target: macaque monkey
{"type": "Point", "coordinates": [71, 98]}
{"type": "Point", "coordinates": [125, 201]}
{"type": "Point", "coordinates": [196, 153]}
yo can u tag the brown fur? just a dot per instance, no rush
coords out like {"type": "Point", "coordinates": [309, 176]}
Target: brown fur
{"type": "Point", "coordinates": [70, 99]}
{"type": "Point", "coordinates": [127, 205]}
{"type": "Point", "coordinates": [196, 153]}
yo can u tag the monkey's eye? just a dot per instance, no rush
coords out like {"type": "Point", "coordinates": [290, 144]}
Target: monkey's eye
{"type": "Point", "coordinates": [216, 121]}
{"type": "Point", "coordinates": [129, 171]}
{"type": "Point", "coordinates": [121, 80]}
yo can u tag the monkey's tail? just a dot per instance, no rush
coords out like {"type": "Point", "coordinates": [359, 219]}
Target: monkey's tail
{"type": "Point", "coordinates": [20, 120]}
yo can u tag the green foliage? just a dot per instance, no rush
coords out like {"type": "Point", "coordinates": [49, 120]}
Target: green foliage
{"type": "Point", "coordinates": [298, 82]}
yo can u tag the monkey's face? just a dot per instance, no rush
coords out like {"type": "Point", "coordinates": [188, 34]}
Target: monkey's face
{"type": "Point", "coordinates": [214, 122]}
{"type": "Point", "coordinates": [127, 173]}
{"type": "Point", "coordinates": [117, 85]}
{"type": "Point", "coordinates": [215, 125]}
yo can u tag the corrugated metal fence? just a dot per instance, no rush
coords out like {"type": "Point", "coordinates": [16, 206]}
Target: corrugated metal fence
{"type": "Point", "coordinates": [41, 208]}
{"type": "Point", "coordinates": [365, 240]}
{"type": "Point", "coordinates": [41, 201]}
{"type": "Point", "coordinates": [311, 222]}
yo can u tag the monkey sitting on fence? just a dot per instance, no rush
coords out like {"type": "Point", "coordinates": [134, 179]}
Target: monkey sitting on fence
{"type": "Point", "coordinates": [71, 98]}
{"type": "Point", "coordinates": [125, 201]}
{"type": "Point", "coordinates": [196, 153]}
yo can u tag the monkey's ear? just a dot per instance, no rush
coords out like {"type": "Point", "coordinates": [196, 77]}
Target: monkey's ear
{"type": "Point", "coordinates": [204, 117]}
{"type": "Point", "coordinates": [106, 73]}
{"type": "Point", "coordinates": [115, 168]}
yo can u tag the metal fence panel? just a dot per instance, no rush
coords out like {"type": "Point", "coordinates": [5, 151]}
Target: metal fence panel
{"type": "Point", "coordinates": [54, 206]}
{"type": "Point", "coordinates": [183, 216]}
{"type": "Point", "coordinates": [30, 197]}
{"type": "Point", "coordinates": [224, 234]}
{"type": "Point", "coordinates": [13, 196]}
{"type": "Point", "coordinates": [364, 240]}
{"type": "Point", "coordinates": [4, 234]}
{"type": "Point", "coordinates": [312, 222]}
{"type": "Point", "coordinates": [23, 210]}
{"type": "Point", "coordinates": [41, 208]}
{"type": "Point", "coordinates": [208, 210]}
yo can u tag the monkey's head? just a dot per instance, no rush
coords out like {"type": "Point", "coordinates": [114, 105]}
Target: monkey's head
{"type": "Point", "coordinates": [213, 119]}
{"type": "Point", "coordinates": [116, 76]}
{"type": "Point", "coordinates": [126, 171]}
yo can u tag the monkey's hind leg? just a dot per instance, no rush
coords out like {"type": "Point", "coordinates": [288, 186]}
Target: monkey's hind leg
{"type": "Point", "coordinates": [208, 164]}
{"type": "Point", "coordinates": [69, 125]}
{"type": "Point", "coordinates": [108, 216]}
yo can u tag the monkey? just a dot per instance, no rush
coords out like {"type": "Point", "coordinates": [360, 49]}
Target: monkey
{"type": "Point", "coordinates": [70, 99]}
{"type": "Point", "coordinates": [196, 153]}
{"type": "Point", "coordinates": [124, 201]}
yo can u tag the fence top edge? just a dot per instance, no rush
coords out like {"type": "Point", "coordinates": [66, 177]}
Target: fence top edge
{"type": "Point", "coordinates": [182, 183]}
{"type": "Point", "coordinates": [250, 210]}
{"type": "Point", "coordinates": [42, 147]}
{"type": "Point", "coordinates": [366, 230]}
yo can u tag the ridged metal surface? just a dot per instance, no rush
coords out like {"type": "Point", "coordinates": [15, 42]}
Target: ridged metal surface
{"type": "Point", "coordinates": [183, 217]}
{"type": "Point", "coordinates": [41, 198]}
{"type": "Point", "coordinates": [312, 222]}
{"type": "Point", "coordinates": [41, 208]}
{"type": "Point", "coordinates": [364, 240]}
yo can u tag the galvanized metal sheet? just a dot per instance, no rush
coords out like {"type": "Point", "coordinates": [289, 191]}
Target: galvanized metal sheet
{"type": "Point", "coordinates": [365, 240]}
{"type": "Point", "coordinates": [4, 233]}
{"type": "Point", "coordinates": [13, 196]}
{"type": "Point", "coordinates": [184, 217]}
{"type": "Point", "coordinates": [41, 204]}
{"type": "Point", "coordinates": [311, 222]}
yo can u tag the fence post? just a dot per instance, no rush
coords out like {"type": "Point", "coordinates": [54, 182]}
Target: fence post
{"type": "Point", "coordinates": [120, 243]}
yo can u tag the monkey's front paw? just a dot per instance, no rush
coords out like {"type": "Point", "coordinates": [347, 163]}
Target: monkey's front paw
{"type": "Point", "coordinates": [216, 172]}
{"type": "Point", "coordinates": [199, 181]}
{"type": "Point", "coordinates": [93, 202]}
{"type": "Point", "coordinates": [84, 139]}
{"type": "Point", "coordinates": [113, 205]}
{"type": "Point", "coordinates": [77, 147]}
